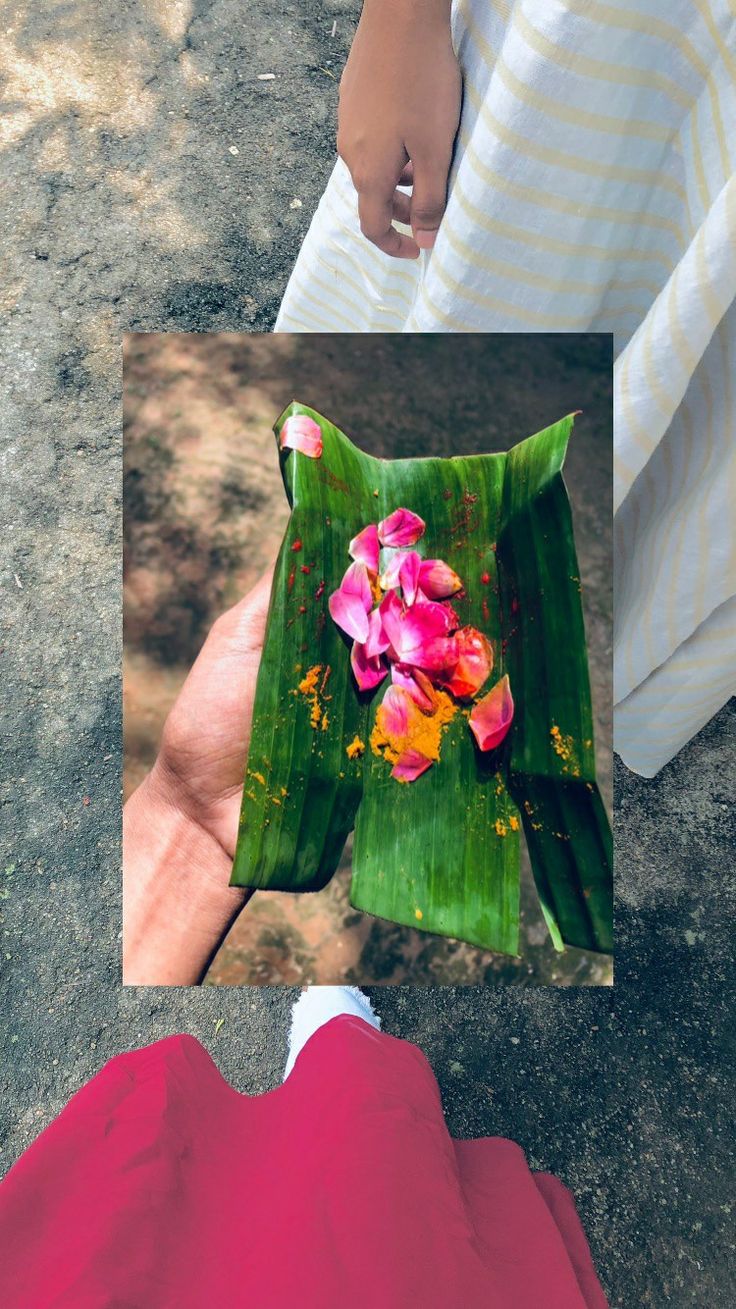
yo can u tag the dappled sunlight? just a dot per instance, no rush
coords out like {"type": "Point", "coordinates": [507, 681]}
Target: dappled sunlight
{"type": "Point", "coordinates": [156, 208]}
{"type": "Point", "coordinates": [172, 16]}
{"type": "Point", "coordinates": [157, 169]}
{"type": "Point", "coordinates": [62, 77]}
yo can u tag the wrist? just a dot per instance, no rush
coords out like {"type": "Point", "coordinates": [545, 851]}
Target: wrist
{"type": "Point", "coordinates": [414, 11]}
{"type": "Point", "coordinates": [177, 901]}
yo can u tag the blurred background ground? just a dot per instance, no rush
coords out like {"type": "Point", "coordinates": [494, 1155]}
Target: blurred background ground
{"type": "Point", "coordinates": [124, 209]}
{"type": "Point", "coordinates": [204, 514]}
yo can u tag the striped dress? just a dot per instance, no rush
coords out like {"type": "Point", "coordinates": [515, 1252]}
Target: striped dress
{"type": "Point", "coordinates": [593, 189]}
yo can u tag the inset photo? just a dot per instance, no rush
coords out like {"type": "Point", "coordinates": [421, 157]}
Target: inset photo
{"type": "Point", "coordinates": [368, 645]}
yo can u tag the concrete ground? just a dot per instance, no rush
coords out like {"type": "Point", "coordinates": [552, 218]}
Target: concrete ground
{"type": "Point", "coordinates": [129, 211]}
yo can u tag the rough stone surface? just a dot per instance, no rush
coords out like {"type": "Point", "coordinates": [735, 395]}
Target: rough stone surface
{"type": "Point", "coordinates": [129, 211]}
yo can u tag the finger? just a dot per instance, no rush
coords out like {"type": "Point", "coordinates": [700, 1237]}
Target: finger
{"type": "Point", "coordinates": [401, 207]}
{"type": "Point", "coordinates": [375, 210]}
{"type": "Point", "coordinates": [243, 627]}
{"type": "Point", "coordinates": [428, 199]}
{"type": "Point", "coordinates": [220, 686]}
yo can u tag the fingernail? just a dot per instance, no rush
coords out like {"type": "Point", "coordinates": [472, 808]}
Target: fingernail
{"type": "Point", "coordinates": [425, 240]}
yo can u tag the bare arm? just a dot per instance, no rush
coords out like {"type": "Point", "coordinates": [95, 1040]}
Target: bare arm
{"type": "Point", "coordinates": [400, 100]}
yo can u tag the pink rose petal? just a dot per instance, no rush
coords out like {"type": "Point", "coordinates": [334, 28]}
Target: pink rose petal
{"type": "Point", "coordinates": [364, 548]}
{"type": "Point", "coordinates": [402, 570]}
{"type": "Point", "coordinates": [411, 564]}
{"type": "Point", "coordinates": [437, 580]}
{"type": "Point", "coordinates": [418, 635]}
{"type": "Point", "coordinates": [451, 614]}
{"type": "Point", "coordinates": [410, 765]}
{"type": "Point", "coordinates": [416, 684]}
{"type": "Point", "coordinates": [300, 432]}
{"type": "Point", "coordinates": [369, 671]}
{"type": "Point", "coordinates": [377, 641]}
{"type": "Point", "coordinates": [438, 654]}
{"type": "Point", "coordinates": [402, 527]}
{"type": "Point", "coordinates": [350, 605]}
{"type": "Point", "coordinates": [394, 712]}
{"type": "Point", "coordinates": [491, 717]}
{"type": "Point", "coordinates": [474, 664]}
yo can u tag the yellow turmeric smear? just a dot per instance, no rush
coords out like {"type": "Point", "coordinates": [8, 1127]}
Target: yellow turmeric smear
{"type": "Point", "coordinates": [309, 687]}
{"type": "Point", "coordinates": [564, 747]}
{"type": "Point", "coordinates": [376, 588]}
{"type": "Point", "coordinates": [310, 680]}
{"type": "Point", "coordinates": [501, 828]}
{"type": "Point", "coordinates": [513, 823]}
{"type": "Point", "coordinates": [423, 731]}
{"type": "Point", "coordinates": [355, 749]}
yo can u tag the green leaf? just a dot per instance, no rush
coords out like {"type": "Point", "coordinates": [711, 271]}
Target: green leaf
{"type": "Point", "coordinates": [441, 853]}
{"type": "Point", "coordinates": [552, 764]}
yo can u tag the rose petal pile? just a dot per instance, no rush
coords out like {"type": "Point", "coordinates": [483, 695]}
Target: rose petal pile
{"type": "Point", "coordinates": [396, 607]}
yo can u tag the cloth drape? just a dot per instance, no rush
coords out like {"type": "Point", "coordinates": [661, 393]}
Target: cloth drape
{"type": "Point", "coordinates": [593, 190]}
{"type": "Point", "coordinates": [161, 1187]}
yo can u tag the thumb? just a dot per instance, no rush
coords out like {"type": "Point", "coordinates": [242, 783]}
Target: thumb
{"type": "Point", "coordinates": [428, 200]}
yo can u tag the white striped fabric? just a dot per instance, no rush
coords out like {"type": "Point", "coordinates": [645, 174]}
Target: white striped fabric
{"type": "Point", "coordinates": [593, 190]}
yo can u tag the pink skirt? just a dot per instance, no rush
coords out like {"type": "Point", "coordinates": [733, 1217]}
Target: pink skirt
{"type": "Point", "coordinates": [161, 1187]}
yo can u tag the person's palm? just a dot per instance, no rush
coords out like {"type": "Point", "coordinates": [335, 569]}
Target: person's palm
{"type": "Point", "coordinates": [203, 751]}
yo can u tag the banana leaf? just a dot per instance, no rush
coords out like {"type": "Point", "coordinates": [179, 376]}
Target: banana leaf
{"type": "Point", "coordinates": [440, 854]}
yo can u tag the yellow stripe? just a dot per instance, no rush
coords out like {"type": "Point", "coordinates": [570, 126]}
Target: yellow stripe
{"type": "Point", "coordinates": [678, 712]}
{"type": "Point", "coordinates": [300, 324]}
{"type": "Point", "coordinates": [548, 105]}
{"type": "Point", "coordinates": [349, 322]}
{"type": "Point", "coordinates": [652, 658]}
{"type": "Point", "coordinates": [375, 256]}
{"type": "Point", "coordinates": [576, 163]}
{"type": "Point", "coordinates": [361, 292]}
{"type": "Point", "coordinates": [619, 74]}
{"type": "Point", "coordinates": [640, 435]}
{"type": "Point", "coordinates": [631, 21]}
{"type": "Point", "coordinates": [628, 652]}
{"type": "Point", "coordinates": [704, 551]}
{"type": "Point", "coordinates": [624, 472]}
{"type": "Point", "coordinates": [687, 357]}
{"type": "Point", "coordinates": [554, 321]}
{"type": "Point", "coordinates": [568, 249]}
{"type": "Point", "coordinates": [359, 242]}
{"type": "Point", "coordinates": [700, 178]}
{"type": "Point", "coordinates": [643, 343]}
{"type": "Point", "coordinates": [726, 54]}
{"type": "Point", "coordinates": [518, 273]}
{"type": "Point", "coordinates": [560, 204]}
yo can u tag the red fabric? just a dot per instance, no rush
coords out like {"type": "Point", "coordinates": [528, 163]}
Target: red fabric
{"type": "Point", "coordinates": [160, 1187]}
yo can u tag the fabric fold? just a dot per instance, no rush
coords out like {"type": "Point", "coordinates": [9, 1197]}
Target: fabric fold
{"type": "Point", "coordinates": [160, 1186]}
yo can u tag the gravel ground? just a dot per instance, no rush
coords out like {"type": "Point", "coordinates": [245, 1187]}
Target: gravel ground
{"type": "Point", "coordinates": [129, 211]}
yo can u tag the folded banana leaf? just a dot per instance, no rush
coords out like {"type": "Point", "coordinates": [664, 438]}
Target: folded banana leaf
{"type": "Point", "coordinates": [441, 853]}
